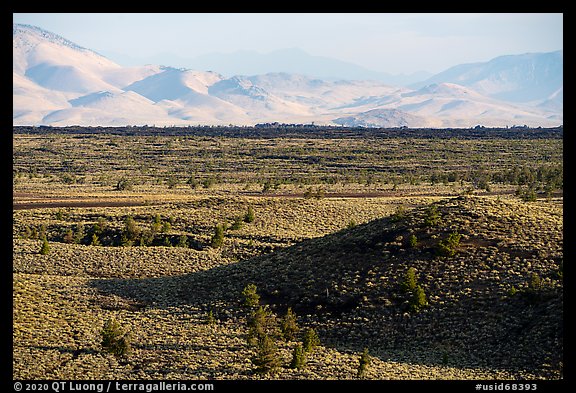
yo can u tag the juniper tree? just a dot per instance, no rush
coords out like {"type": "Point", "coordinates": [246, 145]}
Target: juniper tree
{"type": "Point", "coordinates": [267, 358]}
{"type": "Point", "coordinates": [250, 215]}
{"type": "Point", "coordinates": [182, 241]}
{"type": "Point", "coordinates": [251, 297]}
{"type": "Point", "coordinates": [237, 224]}
{"type": "Point", "coordinates": [364, 363]}
{"type": "Point", "coordinates": [218, 236]}
{"type": "Point", "coordinates": [310, 340]}
{"type": "Point", "coordinates": [262, 322]}
{"type": "Point", "coordinates": [289, 326]}
{"type": "Point", "coordinates": [114, 339]}
{"type": "Point", "coordinates": [447, 247]}
{"type": "Point", "coordinates": [298, 358]}
{"type": "Point", "coordinates": [45, 248]}
{"type": "Point", "coordinates": [409, 283]}
{"type": "Point", "coordinates": [95, 241]}
{"type": "Point", "coordinates": [432, 217]}
{"type": "Point", "coordinates": [210, 319]}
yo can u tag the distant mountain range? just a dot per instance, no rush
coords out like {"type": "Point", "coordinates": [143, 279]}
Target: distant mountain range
{"type": "Point", "coordinates": [291, 61]}
{"type": "Point", "coordinates": [56, 82]}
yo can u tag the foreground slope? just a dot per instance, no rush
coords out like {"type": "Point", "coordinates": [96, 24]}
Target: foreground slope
{"type": "Point", "coordinates": [496, 303]}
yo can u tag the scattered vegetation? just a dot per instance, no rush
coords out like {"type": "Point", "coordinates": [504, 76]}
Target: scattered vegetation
{"type": "Point", "coordinates": [506, 274]}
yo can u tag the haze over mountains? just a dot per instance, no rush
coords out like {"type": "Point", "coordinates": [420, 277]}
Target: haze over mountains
{"type": "Point", "coordinates": [56, 82]}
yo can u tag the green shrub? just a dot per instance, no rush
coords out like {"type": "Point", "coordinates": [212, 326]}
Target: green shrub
{"type": "Point", "coordinates": [298, 358]}
{"type": "Point", "coordinates": [310, 340]}
{"type": "Point", "coordinates": [251, 297]}
{"type": "Point", "coordinates": [289, 326]}
{"type": "Point", "coordinates": [447, 247]}
{"type": "Point", "coordinates": [45, 248]}
{"type": "Point", "coordinates": [267, 358]}
{"type": "Point", "coordinates": [365, 360]}
{"type": "Point", "coordinates": [432, 217]}
{"type": "Point", "coordinates": [262, 322]}
{"type": "Point", "coordinates": [114, 339]}
{"type": "Point", "coordinates": [250, 215]}
{"type": "Point", "coordinates": [218, 236]}
{"type": "Point", "coordinates": [412, 241]}
{"type": "Point", "coordinates": [409, 283]}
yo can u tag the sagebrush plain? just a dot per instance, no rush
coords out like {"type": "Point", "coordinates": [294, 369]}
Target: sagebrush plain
{"type": "Point", "coordinates": [441, 256]}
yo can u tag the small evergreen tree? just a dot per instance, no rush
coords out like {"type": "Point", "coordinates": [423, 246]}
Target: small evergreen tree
{"type": "Point", "coordinates": [250, 215]}
{"type": "Point", "coordinates": [182, 241]}
{"type": "Point", "coordinates": [68, 236]}
{"type": "Point", "coordinates": [412, 241]}
{"type": "Point", "coordinates": [310, 340]}
{"type": "Point", "coordinates": [364, 363]}
{"type": "Point", "coordinates": [289, 326]}
{"type": "Point", "coordinates": [251, 297]}
{"type": "Point", "coordinates": [124, 184]}
{"type": "Point", "coordinates": [409, 283]}
{"type": "Point", "coordinates": [447, 247]}
{"type": "Point", "coordinates": [95, 241]}
{"type": "Point", "coordinates": [399, 214]}
{"type": "Point", "coordinates": [237, 224]}
{"type": "Point", "coordinates": [166, 227]}
{"type": "Point", "coordinates": [100, 226]}
{"type": "Point", "coordinates": [267, 358]}
{"type": "Point", "coordinates": [262, 322]}
{"type": "Point", "coordinates": [418, 299]}
{"type": "Point", "coordinates": [79, 235]}
{"type": "Point", "coordinates": [45, 248]}
{"type": "Point", "coordinates": [192, 182]}
{"type": "Point", "coordinates": [218, 237]}
{"type": "Point", "coordinates": [114, 339]}
{"type": "Point", "coordinates": [210, 319]}
{"type": "Point", "coordinates": [432, 217]}
{"type": "Point", "coordinates": [298, 358]}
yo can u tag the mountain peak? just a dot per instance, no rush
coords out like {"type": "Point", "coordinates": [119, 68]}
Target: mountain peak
{"type": "Point", "coordinates": [20, 30]}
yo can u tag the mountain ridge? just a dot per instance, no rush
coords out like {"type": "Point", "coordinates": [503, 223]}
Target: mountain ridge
{"type": "Point", "coordinates": [52, 73]}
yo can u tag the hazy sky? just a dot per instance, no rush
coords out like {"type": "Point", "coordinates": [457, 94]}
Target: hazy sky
{"type": "Point", "coordinates": [394, 43]}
